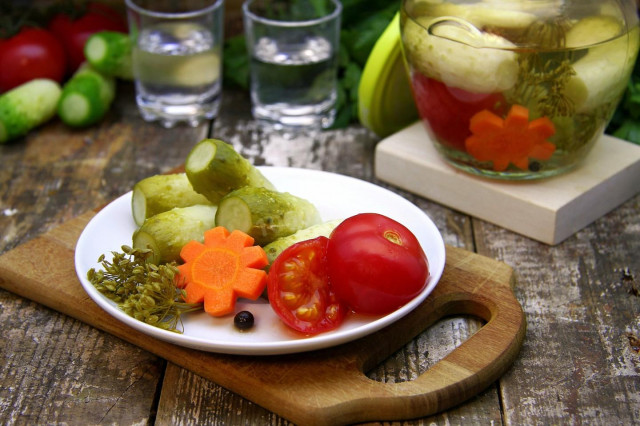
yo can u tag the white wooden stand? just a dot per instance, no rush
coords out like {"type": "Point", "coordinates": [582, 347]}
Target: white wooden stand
{"type": "Point", "coordinates": [548, 210]}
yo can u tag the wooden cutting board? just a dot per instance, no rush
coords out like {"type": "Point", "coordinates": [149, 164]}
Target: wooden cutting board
{"type": "Point", "coordinates": [320, 387]}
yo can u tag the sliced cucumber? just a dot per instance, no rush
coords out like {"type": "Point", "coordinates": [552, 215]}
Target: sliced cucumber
{"type": "Point", "coordinates": [214, 169]}
{"type": "Point", "coordinates": [167, 232]}
{"type": "Point", "coordinates": [159, 193]}
{"type": "Point", "coordinates": [264, 214]}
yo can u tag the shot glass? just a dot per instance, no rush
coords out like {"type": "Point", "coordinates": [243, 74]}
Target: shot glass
{"type": "Point", "coordinates": [293, 48]}
{"type": "Point", "coordinates": [177, 59]}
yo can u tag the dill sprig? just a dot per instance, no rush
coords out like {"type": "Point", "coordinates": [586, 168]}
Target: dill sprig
{"type": "Point", "coordinates": [143, 290]}
{"type": "Point", "coordinates": [548, 34]}
{"type": "Point", "coordinates": [542, 81]}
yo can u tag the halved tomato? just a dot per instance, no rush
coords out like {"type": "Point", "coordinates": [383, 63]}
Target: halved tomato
{"type": "Point", "coordinates": [299, 289]}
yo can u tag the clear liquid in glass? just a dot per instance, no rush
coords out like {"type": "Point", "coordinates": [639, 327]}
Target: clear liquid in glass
{"type": "Point", "coordinates": [177, 69]}
{"type": "Point", "coordinates": [294, 83]}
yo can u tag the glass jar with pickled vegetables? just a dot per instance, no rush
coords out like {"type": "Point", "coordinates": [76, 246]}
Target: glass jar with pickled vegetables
{"type": "Point", "coordinates": [518, 89]}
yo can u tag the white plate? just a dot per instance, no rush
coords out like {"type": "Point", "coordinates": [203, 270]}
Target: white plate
{"type": "Point", "coordinates": [336, 197]}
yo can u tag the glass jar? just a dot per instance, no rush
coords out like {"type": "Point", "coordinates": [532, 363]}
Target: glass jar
{"type": "Point", "coordinates": [518, 89]}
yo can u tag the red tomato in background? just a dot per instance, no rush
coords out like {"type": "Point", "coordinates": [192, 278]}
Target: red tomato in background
{"type": "Point", "coordinates": [74, 32]}
{"type": "Point", "coordinates": [447, 111]}
{"type": "Point", "coordinates": [31, 53]}
{"type": "Point", "coordinates": [299, 289]}
{"type": "Point", "coordinates": [376, 264]}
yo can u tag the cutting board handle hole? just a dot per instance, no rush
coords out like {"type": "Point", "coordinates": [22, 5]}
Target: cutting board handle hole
{"type": "Point", "coordinates": [416, 357]}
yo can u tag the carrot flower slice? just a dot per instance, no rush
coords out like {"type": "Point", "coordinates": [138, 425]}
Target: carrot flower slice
{"type": "Point", "coordinates": [225, 267]}
{"type": "Point", "coordinates": [513, 140]}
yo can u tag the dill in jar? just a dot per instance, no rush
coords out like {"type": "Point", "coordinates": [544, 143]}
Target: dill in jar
{"type": "Point", "coordinates": [143, 290]}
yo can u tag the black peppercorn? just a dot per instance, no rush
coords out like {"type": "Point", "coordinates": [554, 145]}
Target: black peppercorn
{"type": "Point", "coordinates": [534, 166]}
{"type": "Point", "coordinates": [243, 320]}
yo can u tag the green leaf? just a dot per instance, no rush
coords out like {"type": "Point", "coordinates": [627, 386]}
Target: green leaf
{"type": "Point", "coordinates": [630, 131]}
{"type": "Point", "coordinates": [361, 37]}
{"type": "Point", "coordinates": [625, 123]}
{"type": "Point", "coordinates": [236, 62]}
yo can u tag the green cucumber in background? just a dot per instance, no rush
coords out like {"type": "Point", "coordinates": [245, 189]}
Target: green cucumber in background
{"type": "Point", "coordinates": [86, 97]}
{"type": "Point", "coordinates": [109, 52]}
{"type": "Point", "coordinates": [26, 107]}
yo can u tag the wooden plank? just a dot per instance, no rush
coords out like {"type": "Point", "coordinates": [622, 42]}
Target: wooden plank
{"type": "Point", "coordinates": [548, 210]}
{"type": "Point", "coordinates": [320, 387]}
{"type": "Point", "coordinates": [578, 365]}
{"type": "Point", "coordinates": [188, 398]}
{"type": "Point", "coordinates": [56, 369]}
{"type": "Point", "coordinates": [59, 370]}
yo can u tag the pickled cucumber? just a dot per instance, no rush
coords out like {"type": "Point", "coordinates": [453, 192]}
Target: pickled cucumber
{"type": "Point", "coordinates": [160, 193]}
{"type": "Point", "coordinates": [214, 169]}
{"type": "Point", "coordinates": [276, 247]}
{"type": "Point", "coordinates": [167, 232]}
{"type": "Point", "coordinates": [593, 30]}
{"type": "Point", "coordinates": [487, 13]}
{"type": "Point", "coordinates": [601, 74]}
{"type": "Point", "coordinates": [460, 55]}
{"type": "Point", "coordinates": [264, 214]}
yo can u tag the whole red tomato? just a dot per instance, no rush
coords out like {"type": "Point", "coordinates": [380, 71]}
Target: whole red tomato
{"type": "Point", "coordinates": [299, 289]}
{"type": "Point", "coordinates": [74, 32]}
{"type": "Point", "coordinates": [376, 264]}
{"type": "Point", "coordinates": [32, 53]}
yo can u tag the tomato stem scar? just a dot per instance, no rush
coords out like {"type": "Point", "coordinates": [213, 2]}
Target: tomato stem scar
{"type": "Point", "coordinates": [393, 237]}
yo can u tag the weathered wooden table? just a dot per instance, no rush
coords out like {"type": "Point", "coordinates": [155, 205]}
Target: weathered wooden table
{"type": "Point", "coordinates": [580, 362]}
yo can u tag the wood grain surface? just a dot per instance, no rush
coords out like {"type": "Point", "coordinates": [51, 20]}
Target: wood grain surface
{"type": "Point", "coordinates": [319, 387]}
{"type": "Point", "coordinates": [579, 362]}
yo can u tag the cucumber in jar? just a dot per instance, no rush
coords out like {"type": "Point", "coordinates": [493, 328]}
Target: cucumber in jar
{"type": "Point", "coordinates": [460, 55]}
{"type": "Point", "coordinates": [264, 214]}
{"type": "Point", "coordinates": [214, 169]}
{"type": "Point", "coordinates": [160, 193]}
{"type": "Point", "coordinates": [166, 233]}
{"type": "Point", "coordinates": [601, 75]}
